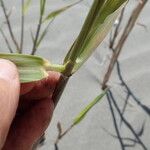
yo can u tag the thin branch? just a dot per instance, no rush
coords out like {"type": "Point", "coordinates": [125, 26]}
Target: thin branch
{"type": "Point", "coordinates": [36, 36]}
{"type": "Point", "coordinates": [39, 142]}
{"type": "Point", "coordinates": [6, 41]}
{"type": "Point", "coordinates": [142, 25]}
{"type": "Point", "coordinates": [22, 26]}
{"type": "Point", "coordinates": [34, 49]}
{"type": "Point", "coordinates": [132, 20]}
{"type": "Point", "coordinates": [43, 34]}
{"type": "Point", "coordinates": [61, 134]}
{"type": "Point", "coordinates": [126, 122]}
{"type": "Point", "coordinates": [115, 35]}
{"type": "Point", "coordinates": [9, 26]}
{"type": "Point", "coordinates": [115, 123]}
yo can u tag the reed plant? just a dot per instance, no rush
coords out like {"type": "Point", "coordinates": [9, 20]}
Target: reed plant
{"type": "Point", "coordinates": [116, 43]}
{"type": "Point", "coordinates": [97, 25]}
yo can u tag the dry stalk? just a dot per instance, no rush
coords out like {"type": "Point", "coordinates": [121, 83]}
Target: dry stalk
{"type": "Point", "coordinates": [22, 26]}
{"type": "Point", "coordinates": [9, 26]}
{"type": "Point", "coordinates": [61, 133]}
{"type": "Point", "coordinates": [36, 36]}
{"type": "Point", "coordinates": [6, 41]}
{"type": "Point", "coordinates": [34, 49]}
{"type": "Point", "coordinates": [115, 35]}
{"type": "Point", "coordinates": [117, 50]}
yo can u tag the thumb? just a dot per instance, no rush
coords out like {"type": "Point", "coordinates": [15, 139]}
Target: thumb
{"type": "Point", "coordinates": [9, 96]}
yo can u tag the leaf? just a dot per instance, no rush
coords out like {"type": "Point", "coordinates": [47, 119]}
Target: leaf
{"type": "Point", "coordinates": [84, 112]}
{"type": "Point", "coordinates": [57, 12]}
{"type": "Point", "coordinates": [31, 68]}
{"type": "Point", "coordinates": [26, 6]}
{"type": "Point", "coordinates": [97, 25]}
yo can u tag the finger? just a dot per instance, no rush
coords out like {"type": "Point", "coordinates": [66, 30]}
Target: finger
{"type": "Point", "coordinates": [37, 91]}
{"type": "Point", "coordinates": [44, 88]}
{"type": "Point", "coordinates": [26, 87]}
{"type": "Point", "coordinates": [9, 95]}
{"type": "Point", "coordinates": [27, 129]}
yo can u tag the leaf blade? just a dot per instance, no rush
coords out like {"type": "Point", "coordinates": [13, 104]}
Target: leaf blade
{"type": "Point", "coordinates": [31, 68]}
{"type": "Point", "coordinates": [57, 12]}
{"type": "Point", "coordinates": [105, 14]}
{"type": "Point", "coordinates": [84, 112]}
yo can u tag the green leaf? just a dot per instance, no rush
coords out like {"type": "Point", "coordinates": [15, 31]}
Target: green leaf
{"type": "Point", "coordinates": [31, 68]}
{"type": "Point", "coordinates": [84, 112]}
{"type": "Point", "coordinates": [26, 6]}
{"type": "Point", "coordinates": [97, 25]}
{"type": "Point", "coordinates": [57, 12]}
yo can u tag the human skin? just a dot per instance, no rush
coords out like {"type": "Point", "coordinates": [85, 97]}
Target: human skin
{"type": "Point", "coordinates": [25, 109]}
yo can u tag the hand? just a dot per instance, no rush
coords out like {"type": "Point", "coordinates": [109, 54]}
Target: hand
{"type": "Point", "coordinates": [25, 110]}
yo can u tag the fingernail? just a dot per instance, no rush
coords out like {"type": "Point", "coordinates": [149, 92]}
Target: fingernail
{"type": "Point", "coordinates": [8, 70]}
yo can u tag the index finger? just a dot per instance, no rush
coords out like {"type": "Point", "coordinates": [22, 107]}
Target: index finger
{"type": "Point", "coordinates": [48, 83]}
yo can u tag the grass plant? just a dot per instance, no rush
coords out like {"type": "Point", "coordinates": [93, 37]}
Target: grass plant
{"type": "Point", "coordinates": [31, 68]}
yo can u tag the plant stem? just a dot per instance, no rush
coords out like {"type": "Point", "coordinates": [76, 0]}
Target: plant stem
{"type": "Point", "coordinates": [36, 36]}
{"type": "Point", "coordinates": [22, 26]}
{"type": "Point", "coordinates": [6, 40]}
{"type": "Point", "coordinates": [54, 67]}
{"type": "Point", "coordinates": [78, 118]}
{"type": "Point", "coordinates": [112, 40]}
{"type": "Point", "coordinates": [34, 49]}
{"type": "Point", "coordinates": [61, 134]}
{"type": "Point", "coordinates": [74, 51]}
{"type": "Point", "coordinates": [9, 26]}
{"type": "Point", "coordinates": [77, 46]}
{"type": "Point", "coordinates": [59, 88]}
{"type": "Point", "coordinates": [117, 50]}
{"type": "Point", "coordinates": [70, 60]}
{"type": "Point", "coordinates": [43, 34]}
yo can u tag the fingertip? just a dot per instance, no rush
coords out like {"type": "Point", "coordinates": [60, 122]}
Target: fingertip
{"type": "Point", "coordinates": [8, 70]}
{"type": "Point", "coordinates": [9, 96]}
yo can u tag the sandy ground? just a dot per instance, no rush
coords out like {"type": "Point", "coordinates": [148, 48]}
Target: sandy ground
{"type": "Point", "coordinates": [97, 131]}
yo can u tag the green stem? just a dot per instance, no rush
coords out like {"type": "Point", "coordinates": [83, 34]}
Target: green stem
{"type": "Point", "coordinates": [42, 9]}
{"type": "Point", "coordinates": [72, 55]}
{"type": "Point", "coordinates": [77, 46]}
{"type": "Point", "coordinates": [55, 67]}
{"type": "Point", "coordinates": [22, 26]}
